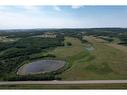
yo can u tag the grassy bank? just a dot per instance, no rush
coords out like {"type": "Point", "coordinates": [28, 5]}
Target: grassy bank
{"type": "Point", "coordinates": [65, 86]}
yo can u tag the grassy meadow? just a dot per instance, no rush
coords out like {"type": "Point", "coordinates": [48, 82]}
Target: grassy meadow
{"type": "Point", "coordinates": [68, 51]}
{"type": "Point", "coordinates": [105, 62]}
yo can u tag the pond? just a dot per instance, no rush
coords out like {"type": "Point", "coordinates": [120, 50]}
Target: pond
{"type": "Point", "coordinates": [90, 48]}
{"type": "Point", "coordinates": [40, 66]}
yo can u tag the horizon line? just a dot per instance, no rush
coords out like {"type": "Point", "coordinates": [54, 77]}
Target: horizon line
{"type": "Point", "coordinates": [61, 28]}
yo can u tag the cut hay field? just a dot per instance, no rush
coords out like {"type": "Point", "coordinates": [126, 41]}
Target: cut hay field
{"type": "Point", "coordinates": [105, 62]}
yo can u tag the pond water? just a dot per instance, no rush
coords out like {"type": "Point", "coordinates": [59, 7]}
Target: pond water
{"type": "Point", "coordinates": [41, 66]}
{"type": "Point", "coordinates": [90, 48]}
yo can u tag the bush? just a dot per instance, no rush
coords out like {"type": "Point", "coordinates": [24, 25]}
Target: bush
{"type": "Point", "coordinates": [31, 77]}
{"type": "Point", "coordinates": [69, 44]}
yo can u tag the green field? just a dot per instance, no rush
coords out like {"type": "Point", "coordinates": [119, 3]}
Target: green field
{"type": "Point", "coordinates": [68, 51]}
{"type": "Point", "coordinates": [104, 62]}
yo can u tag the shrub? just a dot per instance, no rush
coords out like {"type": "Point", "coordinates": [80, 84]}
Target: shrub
{"type": "Point", "coordinates": [69, 44]}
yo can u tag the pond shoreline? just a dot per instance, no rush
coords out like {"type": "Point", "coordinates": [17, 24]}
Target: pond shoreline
{"type": "Point", "coordinates": [41, 66]}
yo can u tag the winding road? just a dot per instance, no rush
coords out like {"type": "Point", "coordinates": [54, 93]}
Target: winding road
{"type": "Point", "coordinates": [64, 82]}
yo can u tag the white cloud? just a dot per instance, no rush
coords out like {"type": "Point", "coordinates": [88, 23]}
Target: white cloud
{"type": "Point", "coordinates": [1, 7]}
{"type": "Point", "coordinates": [13, 20]}
{"type": "Point", "coordinates": [4, 8]}
{"type": "Point", "coordinates": [30, 7]}
{"type": "Point", "coordinates": [36, 17]}
{"type": "Point", "coordinates": [76, 6]}
{"type": "Point", "coordinates": [57, 8]}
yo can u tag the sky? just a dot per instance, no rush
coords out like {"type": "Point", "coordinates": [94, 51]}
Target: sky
{"type": "Point", "coordinates": [29, 17]}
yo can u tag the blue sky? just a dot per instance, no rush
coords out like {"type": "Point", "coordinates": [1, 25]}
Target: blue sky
{"type": "Point", "coordinates": [23, 17]}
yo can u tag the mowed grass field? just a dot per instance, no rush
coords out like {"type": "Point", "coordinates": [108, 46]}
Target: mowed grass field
{"type": "Point", "coordinates": [104, 62]}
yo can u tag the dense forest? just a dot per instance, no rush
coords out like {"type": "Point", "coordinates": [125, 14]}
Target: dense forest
{"type": "Point", "coordinates": [13, 54]}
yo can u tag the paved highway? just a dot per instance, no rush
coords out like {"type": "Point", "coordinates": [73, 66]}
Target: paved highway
{"type": "Point", "coordinates": [64, 82]}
